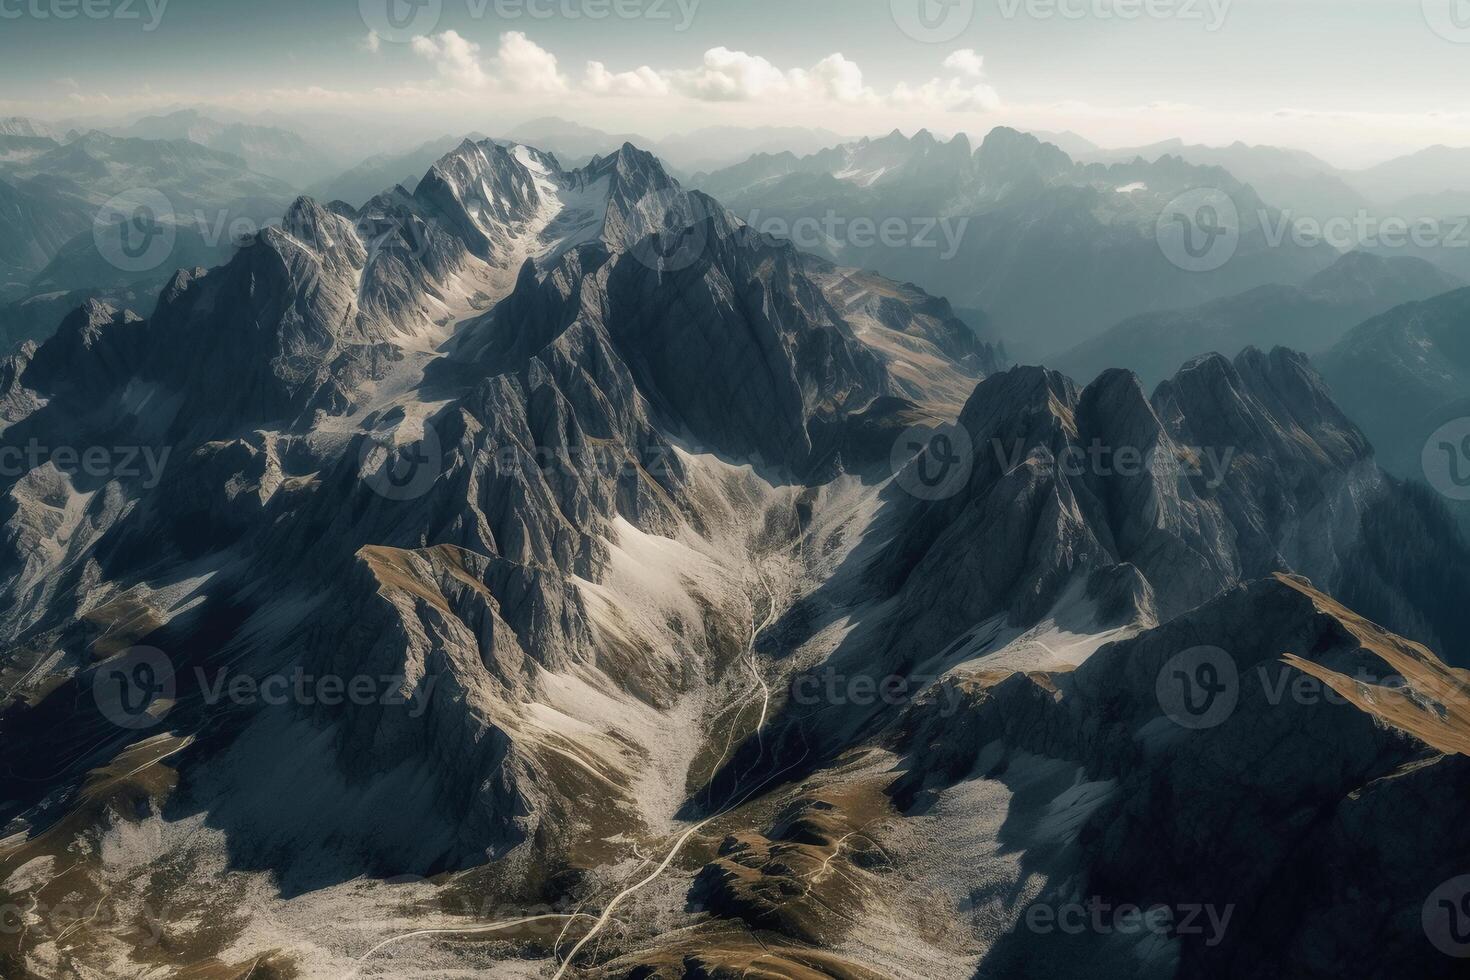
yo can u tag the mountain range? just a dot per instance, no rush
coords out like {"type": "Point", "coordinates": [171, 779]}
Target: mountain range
{"type": "Point", "coordinates": [1020, 217]}
{"type": "Point", "coordinates": [698, 606]}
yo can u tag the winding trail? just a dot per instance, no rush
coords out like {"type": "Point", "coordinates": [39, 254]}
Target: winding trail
{"type": "Point", "coordinates": [606, 916]}
{"type": "Point", "coordinates": [461, 931]}
{"type": "Point", "coordinates": [765, 691]}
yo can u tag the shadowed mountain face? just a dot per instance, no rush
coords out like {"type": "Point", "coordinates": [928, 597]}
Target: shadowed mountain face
{"type": "Point", "coordinates": [500, 532]}
{"type": "Point", "coordinates": [1404, 377]}
{"type": "Point", "coordinates": [1000, 225]}
{"type": "Point", "coordinates": [1311, 317]}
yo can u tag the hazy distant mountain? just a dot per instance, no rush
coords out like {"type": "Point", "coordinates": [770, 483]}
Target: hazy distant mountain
{"type": "Point", "coordinates": [268, 150]}
{"type": "Point", "coordinates": [22, 126]}
{"type": "Point", "coordinates": [1310, 317]}
{"type": "Point", "coordinates": [1289, 180]}
{"type": "Point", "coordinates": [1428, 172]}
{"type": "Point", "coordinates": [53, 196]}
{"type": "Point", "coordinates": [689, 152]}
{"type": "Point", "coordinates": [1402, 375]}
{"type": "Point", "coordinates": [1076, 147]}
{"type": "Point", "coordinates": [37, 217]}
{"type": "Point", "coordinates": [377, 174]}
{"type": "Point", "coordinates": [98, 166]}
{"type": "Point", "coordinates": [720, 146]}
{"type": "Point", "coordinates": [1052, 250]}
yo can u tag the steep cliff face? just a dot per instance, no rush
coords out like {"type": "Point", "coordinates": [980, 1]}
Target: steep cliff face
{"type": "Point", "coordinates": [1230, 471]}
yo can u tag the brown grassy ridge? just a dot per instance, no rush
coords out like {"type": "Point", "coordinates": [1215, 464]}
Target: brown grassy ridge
{"type": "Point", "coordinates": [1433, 701]}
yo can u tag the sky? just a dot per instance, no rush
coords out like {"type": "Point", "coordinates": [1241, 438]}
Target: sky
{"type": "Point", "coordinates": [1354, 81]}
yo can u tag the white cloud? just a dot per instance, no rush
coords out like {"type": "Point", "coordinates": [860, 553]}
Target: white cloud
{"type": "Point", "coordinates": [837, 78]}
{"type": "Point", "coordinates": [638, 82]}
{"type": "Point", "coordinates": [966, 62]}
{"type": "Point", "coordinates": [948, 95]}
{"type": "Point", "coordinates": [725, 75]}
{"type": "Point", "coordinates": [730, 76]}
{"type": "Point", "coordinates": [737, 76]}
{"type": "Point", "coordinates": [455, 58]}
{"type": "Point", "coordinates": [522, 65]}
{"type": "Point", "coordinates": [372, 43]}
